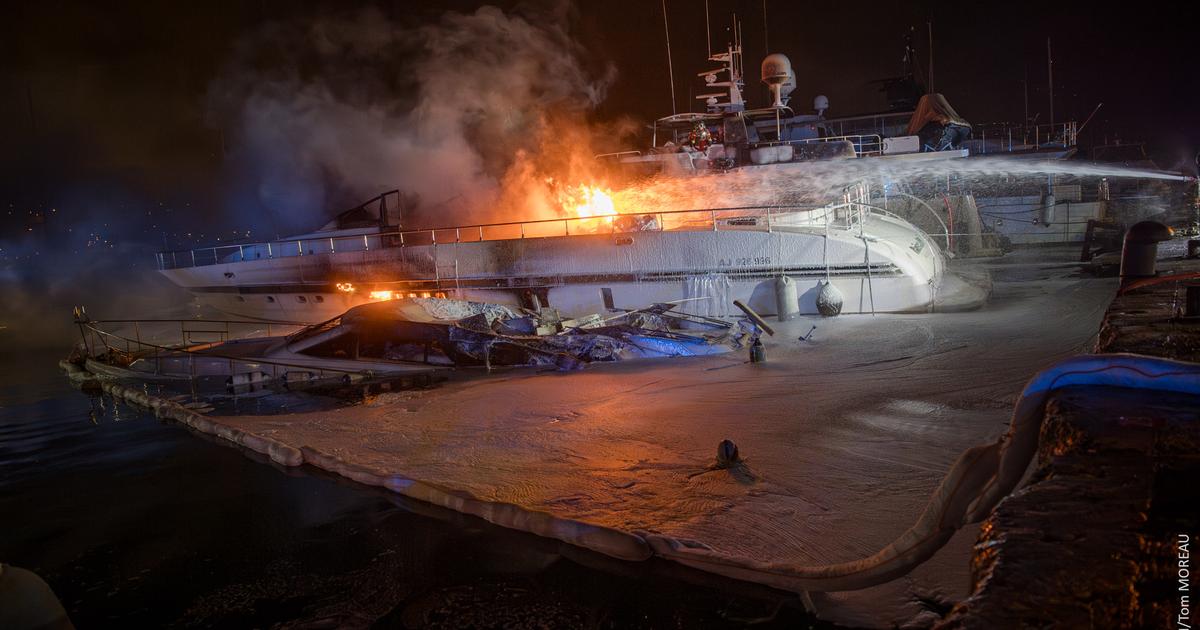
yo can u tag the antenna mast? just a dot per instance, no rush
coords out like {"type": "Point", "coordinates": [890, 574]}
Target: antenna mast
{"type": "Point", "coordinates": [766, 29]}
{"type": "Point", "coordinates": [670, 67]}
{"type": "Point", "coordinates": [738, 38]}
{"type": "Point", "coordinates": [707, 29]}
{"type": "Point", "coordinates": [1026, 84]}
{"type": "Point", "coordinates": [1050, 76]}
{"type": "Point", "coordinates": [929, 27]}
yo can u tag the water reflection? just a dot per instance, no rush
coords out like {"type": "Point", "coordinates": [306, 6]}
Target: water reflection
{"type": "Point", "coordinates": [139, 522]}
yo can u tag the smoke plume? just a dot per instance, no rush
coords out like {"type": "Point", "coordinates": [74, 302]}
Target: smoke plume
{"type": "Point", "coordinates": [470, 114]}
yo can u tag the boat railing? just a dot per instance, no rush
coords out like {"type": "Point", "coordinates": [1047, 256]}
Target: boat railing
{"type": "Point", "coordinates": [714, 219]}
{"type": "Point", "coordinates": [1010, 137]}
{"type": "Point", "coordinates": [865, 145]}
{"type": "Point", "coordinates": [889, 124]}
{"type": "Point", "coordinates": [153, 342]}
{"type": "Point", "coordinates": [617, 155]}
{"type": "Point", "coordinates": [187, 332]}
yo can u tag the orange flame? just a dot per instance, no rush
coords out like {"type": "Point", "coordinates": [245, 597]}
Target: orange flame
{"type": "Point", "coordinates": [384, 295]}
{"type": "Point", "coordinates": [593, 201]}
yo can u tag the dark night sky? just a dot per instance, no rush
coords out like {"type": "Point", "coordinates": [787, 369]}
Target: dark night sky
{"type": "Point", "coordinates": [108, 100]}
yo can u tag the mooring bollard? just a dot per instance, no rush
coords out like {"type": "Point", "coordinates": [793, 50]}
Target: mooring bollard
{"type": "Point", "coordinates": [758, 353]}
{"type": "Point", "coordinates": [1140, 250]}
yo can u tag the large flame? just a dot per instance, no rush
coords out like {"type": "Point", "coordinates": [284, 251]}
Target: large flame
{"type": "Point", "coordinates": [383, 295]}
{"type": "Point", "coordinates": [593, 201]}
{"type": "Point", "coordinates": [591, 207]}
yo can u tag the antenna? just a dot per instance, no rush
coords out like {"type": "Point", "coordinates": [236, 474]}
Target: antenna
{"type": "Point", "coordinates": [741, 60]}
{"type": "Point", "coordinates": [906, 68]}
{"type": "Point", "coordinates": [707, 29]}
{"type": "Point", "coordinates": [766, 29]}
{"type": "Point", "coordinates": [1050, 76]}
{"type": "Point", "coordinates": [731, 61]}
{"type": "Point", "coordinates": [1089, 118]}
{"type": "Point", "coordinates": [929, 27]}
{"type": "Point", "coordinates": [670, 67]}
{"type": "Point", "coordinates": [1026, 84]}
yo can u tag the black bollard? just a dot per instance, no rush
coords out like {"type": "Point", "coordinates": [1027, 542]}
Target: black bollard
{"type": "Point", "coordinates": [758, 353]}
{"type": "Point", "coordinates": [1140, 250]}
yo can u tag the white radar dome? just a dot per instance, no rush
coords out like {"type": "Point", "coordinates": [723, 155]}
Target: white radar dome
{"type": "Point", "coordinates": [821, 103]}
{"type": "Point", "coordinates": [777, 74]}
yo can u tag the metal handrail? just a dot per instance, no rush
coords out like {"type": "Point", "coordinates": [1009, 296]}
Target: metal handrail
{"type": "Point", "coordinates": [206, 256]}
{"type": "Point", "coordinates": [1012, 135]}
{"type": "Point", "coordinates": [192, 354]}
{"type": "Point", "coordinates": [613, 154]}
{"type": "Point", "coordinates": [858, 141]}
{"type": "Point", "coordinates": [185, 332]}
{"type": "Point", "coordinates": [257, 322]}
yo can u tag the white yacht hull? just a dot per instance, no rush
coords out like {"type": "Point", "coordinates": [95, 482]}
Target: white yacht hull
{"type": "Point", "coordinates": [885, 266]}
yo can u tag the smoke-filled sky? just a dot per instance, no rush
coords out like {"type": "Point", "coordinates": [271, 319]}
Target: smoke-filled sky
{"type": "Point", "coordinates": [230, 110]}
{"type": "Point", "coordinates": [130, 126]}
{"type": "Point", "coordinates": [133, 125]}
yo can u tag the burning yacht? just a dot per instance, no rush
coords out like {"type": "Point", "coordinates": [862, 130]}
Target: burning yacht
{"type": "Point", "coordinates": [875, 261]}
{"type": "Point", "coordinates": [790, 253]}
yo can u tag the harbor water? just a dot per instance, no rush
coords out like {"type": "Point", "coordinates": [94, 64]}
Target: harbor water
{"type": "Point", "coordinates": [136, 522]}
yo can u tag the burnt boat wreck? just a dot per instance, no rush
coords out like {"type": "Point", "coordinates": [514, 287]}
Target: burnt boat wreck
{"type": "Point", "coordinates": [394, 338]}
{"type": "Point", "coordinates": [487, 335]}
